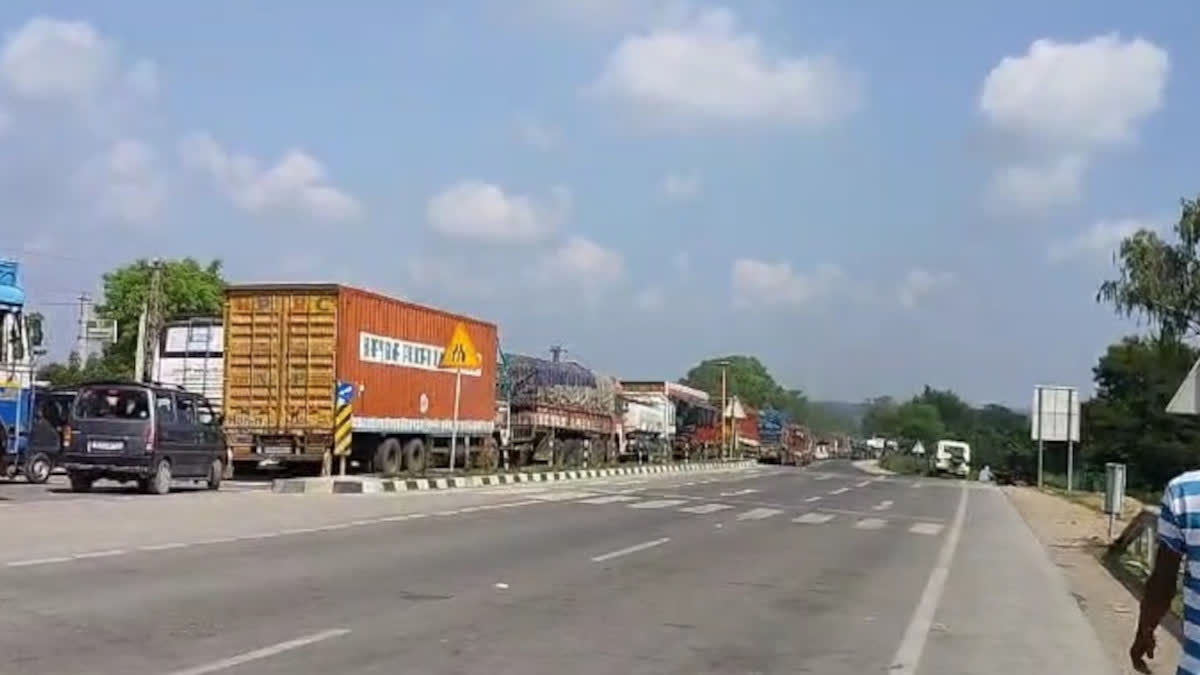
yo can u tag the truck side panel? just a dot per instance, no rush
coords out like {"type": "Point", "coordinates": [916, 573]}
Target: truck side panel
{"type": "Point", "coordinates": [280, 347]}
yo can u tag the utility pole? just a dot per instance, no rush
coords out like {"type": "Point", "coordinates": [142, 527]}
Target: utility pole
{"type": "Point", "coordinates": [154, 320]}
{"type": "Point", "coordinates": [82, 345]}
{"type": "Point", "coordinates": [556, 352]}
{"type": "Point", "coordinates": [724, 432]}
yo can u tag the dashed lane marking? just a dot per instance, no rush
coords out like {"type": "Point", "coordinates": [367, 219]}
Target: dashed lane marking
{"type": "Point", "coordinates": [758, 514]}
{"type": "Point", "coordinates": [738, 493]}
{"type": "Point", "coordinates": [631, 549]}
{"type": "Point", "coordinates": [265, 652]}
{"type": "Point", "coordinates": [657, 504]}
{"type": "Point", "coordinates": [864, 483]}
{"type": "Point", "coordinates": [705, 508]}
{"type": "Point", "coordinates": [839, 491]}
{"type": "Point", "coordinates": [883, 505]}
{"type": "Point", "coordinates": [928, 529]}
{"type": "Point", "coordinates": [813, 499]}
{"type": "Point", "coordinates": [607, 499]}
{"type": "Point", "coordinates": [870, 524]}
{"type": "Point", "coordinates": [814, 518]}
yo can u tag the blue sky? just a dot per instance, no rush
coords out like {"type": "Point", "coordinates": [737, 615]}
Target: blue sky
{"type": "Point", "coordinates": [868, 199]}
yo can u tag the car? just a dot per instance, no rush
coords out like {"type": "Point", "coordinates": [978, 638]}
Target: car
{"type": "Point", "coordinates": [150, 433]}
{"type": "Point", "coordinates": [40, 452]}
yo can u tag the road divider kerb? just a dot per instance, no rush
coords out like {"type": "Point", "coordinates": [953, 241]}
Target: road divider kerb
{"type": "Point", "coordinates": [376, 485]}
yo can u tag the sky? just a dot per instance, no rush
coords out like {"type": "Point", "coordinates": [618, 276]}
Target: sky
{"type": "Point", "coordinates": [869, 199]}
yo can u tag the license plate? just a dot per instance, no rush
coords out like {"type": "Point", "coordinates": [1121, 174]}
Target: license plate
{"type": "Point", "coordinates": [277, 450]}
{"type": "Point", "coordinates": [106, 445]}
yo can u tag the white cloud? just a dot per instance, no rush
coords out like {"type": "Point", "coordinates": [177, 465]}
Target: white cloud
{"type": "Point", "coordinates": [69, 61]}
{"type": "Point", "coordinates": [1036, 188]}
{"type": "Point", "coordinates": [681, 185]}
{"type": "Point", "coordinates": [295, 184]}
{"type": "Point", "coordinates": [579, 264]}
{"type": "Point", "coordinates": [1101, 239]}
{"type": "Point", "coordinates": [919, 283]}
{"type": "Point", "coordinates": [127, 183]}
{"type": "Point", "coordinates": [1077, 94]}
{"type": "Point", "coordinates": [538, 134]}
{"type": "Point", "coordinates": [761, 284]}
{"type": "Point", "coordinates": [650, 299]}
{"type": "Point", "coordinates": [705, 70]}
{"type": "Point", "coordinates": [1062, 103]}
{"type": "Point", "coordinates": [484, 212]}
{"type": "Point", "coordinates": [455, 277]}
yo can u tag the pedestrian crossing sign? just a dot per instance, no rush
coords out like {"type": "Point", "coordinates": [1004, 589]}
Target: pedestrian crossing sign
{"type": "Point", "coordinates": [460, 352]}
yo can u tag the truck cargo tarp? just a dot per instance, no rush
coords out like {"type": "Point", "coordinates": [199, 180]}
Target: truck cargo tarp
{"type": "Point", "coordinates": [567, 384]}
{"type": "Point", "coordinates": [770, 425]}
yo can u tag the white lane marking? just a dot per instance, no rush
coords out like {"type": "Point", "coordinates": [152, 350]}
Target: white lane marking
{"type": "Point", "coordinates": [839, 491]}
{"type": "Point", "coordinates": [258, 654]}
{"type": "Point", "coordinates": [822, 476]}
{"type": "Point", "coordinates": [916, 485]}
{"type": "Point", "coordinates": [813, 499]}
{"type": "Point", "coordinates": [99, 554]}
{"type": "Point", "coordinates": [908, 654]}
{"type": "Point", "coordinates": [737, 493]}
{"type": "Point", "coordinates": [607, 499]}
{"type": "Point", "coordinates": [758, 514]}
{"type": "Point", "coordinates": [930, 529]}
{"type": "Point", "coordinates": [657, 504]}
{"type": "Point", "coordinates": [814, 518]}
{"type": "Point", "coordinates": [450, 512]}
{"type": "Point", "coordinates": [38, 561]}
{"type": "Point", "coordinates": [870, 524]}
{"type": "Point", "coordinates": [883, 505]}
{"type": "Point", "coordinates": [564, 496]}
{"type": "Point", "coordinates": [163, 547]}
{"type": "Point", "coordinates": [705, 508]}
{"type": "Point", "coordinates": [631, 549]}
{"type": "Point", "coordinates": [865, 483]}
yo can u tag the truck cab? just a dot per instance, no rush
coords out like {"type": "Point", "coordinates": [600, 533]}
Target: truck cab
{"type": "Point", "coordinates": [20, 342]}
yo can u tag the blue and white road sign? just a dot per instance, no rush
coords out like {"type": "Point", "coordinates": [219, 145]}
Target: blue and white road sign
{"type": "Point", "coordinates": [345, 393]}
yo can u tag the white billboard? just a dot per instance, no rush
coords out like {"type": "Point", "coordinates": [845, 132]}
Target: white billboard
{"type": "Point", "coordinates": [1055, 414]}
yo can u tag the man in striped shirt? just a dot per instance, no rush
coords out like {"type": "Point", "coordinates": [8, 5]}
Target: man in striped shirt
{"type": "Point", "coordinates": [1178, 540]}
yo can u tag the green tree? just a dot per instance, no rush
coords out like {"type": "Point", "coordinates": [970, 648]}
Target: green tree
{"type": "Point", "coordinates": [188, 288]}
{"type": "Point", "coordinates": [919, 421]}
{"type": "Point", "coordinates": [1126, 420]}
{"type": "Point", "coordinates": [1158, 280]}
{"type": "Point", "coordinates": [880, 418]}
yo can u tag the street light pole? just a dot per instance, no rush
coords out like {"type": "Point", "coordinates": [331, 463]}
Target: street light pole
{"type": "Point", "coordinates": [724, 432]}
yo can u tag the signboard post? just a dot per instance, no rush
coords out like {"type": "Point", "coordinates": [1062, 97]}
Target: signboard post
{"type": "Point", "coordinates": [342, 427]}
{"type": "Point", "coordinates": [460, 353]}
{"type": "Point", "coordinates": [1055, 418]}
{"type": "Point", "coordinates": [1114, 493]}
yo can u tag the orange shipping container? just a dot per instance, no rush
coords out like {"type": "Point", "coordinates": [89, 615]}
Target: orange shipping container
{"type": "Point", "coordinates": [286, 347]}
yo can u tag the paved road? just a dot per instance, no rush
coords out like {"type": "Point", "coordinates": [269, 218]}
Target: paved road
{"type": "Point", "coordinates": [769, 570]}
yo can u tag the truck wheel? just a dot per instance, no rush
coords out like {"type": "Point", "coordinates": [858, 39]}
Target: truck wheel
{"type": "Point", "coordinates": [414, 456]}
{"type": "Point", "coordinates": [38, 468]}
{"type": "Point", "coordinates": [160, 482]}
{"type": "Point", "coordinates": [80, 482]}
{"type": "Point", "coordinates": [488, 457]}
{"type": "Point", "coordinates": [216, 472]}
{"type": "Point", "coordinates": [387, 457]}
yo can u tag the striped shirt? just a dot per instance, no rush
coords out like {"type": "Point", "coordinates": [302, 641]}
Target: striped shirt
{"type": "Point", "coordinates": [1179, 530]}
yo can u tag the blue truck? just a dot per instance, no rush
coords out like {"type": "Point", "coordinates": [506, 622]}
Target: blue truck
{"type": "Point", "coordinates": [20, 343]}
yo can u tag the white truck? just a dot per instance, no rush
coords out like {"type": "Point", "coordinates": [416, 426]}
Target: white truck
{"type": "Point", "coordinates": [191, 355]}
{"type": "Point", "coordinates": [952, 457]}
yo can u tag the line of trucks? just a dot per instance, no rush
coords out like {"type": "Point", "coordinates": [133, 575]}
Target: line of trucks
{"type": "Point", "coordinates": [272, 362]}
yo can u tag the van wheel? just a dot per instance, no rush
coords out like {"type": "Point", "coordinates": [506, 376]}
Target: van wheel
{"type": "Point", "coordinates": [414, 456]}
{"type": "Point", "coordinates": [387, 457]}
{"type": "Point", "coordinates": [80, 482]}
{"type": "Point", "coordinates": [38, 468]}
{"type": "Point", "coordinates": [215, 473]}
{"type": "Point", "coordinates": [160, 482]}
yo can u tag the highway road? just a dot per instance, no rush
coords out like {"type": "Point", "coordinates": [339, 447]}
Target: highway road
{"type": "Point", "coordinates": [766, 570]}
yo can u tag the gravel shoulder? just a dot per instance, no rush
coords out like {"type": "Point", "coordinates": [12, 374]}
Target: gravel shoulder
{"type": "Point", "coordinates": [1075, 535]}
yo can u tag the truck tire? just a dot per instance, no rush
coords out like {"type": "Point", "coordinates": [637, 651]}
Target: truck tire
{"type": "Point", "coordinates": [216, 472]}
{"type": "Point", "coordinates": [38, 468]}
{"type": "Point", "coordinates": [387, 457]}
{"type": "Point", "coordinates": [415, 457]}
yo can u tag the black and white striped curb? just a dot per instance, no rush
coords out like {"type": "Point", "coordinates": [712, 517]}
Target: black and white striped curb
{"type": "Point", "coordinates": [370, 484]}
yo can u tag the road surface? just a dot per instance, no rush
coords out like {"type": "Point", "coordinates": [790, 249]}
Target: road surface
{"type": "Point", "coordinates": [767, 570]}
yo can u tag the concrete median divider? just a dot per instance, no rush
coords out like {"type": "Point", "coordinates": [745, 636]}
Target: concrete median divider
{"type": "Point", "coordinates": [374, 484]}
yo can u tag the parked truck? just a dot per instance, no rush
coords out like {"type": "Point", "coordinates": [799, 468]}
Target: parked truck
{"type": "Point", "coordinates": [191, 355]}
{"type": "Point", "coordinates": [20, 341]}
{"type": "Point", "coordinates": [648, 423]}
{"type": "Point", "coordinates": [561, 413]}
{"type": "Point", "coordinates": [287, 346]}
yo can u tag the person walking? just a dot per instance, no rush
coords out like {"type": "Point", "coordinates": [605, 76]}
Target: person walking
{"type": "Point", "coordinates": [1178, 541]}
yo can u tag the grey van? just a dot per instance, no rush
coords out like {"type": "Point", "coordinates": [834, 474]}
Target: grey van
{"type": "Point", "coordinates": [150, 433]}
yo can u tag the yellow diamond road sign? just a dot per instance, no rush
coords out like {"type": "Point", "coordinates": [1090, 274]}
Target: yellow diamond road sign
{"type": "Point", "coordinates": [461, 352]}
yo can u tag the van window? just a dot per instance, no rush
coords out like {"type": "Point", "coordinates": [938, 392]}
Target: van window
{"type": "Point", "coordinates": [164, 405]}
{"type": "Point", "coordinates": [205, 414]}
{"type": "Point", "coordinates": [187, 410]}
{"type": "Point", "coordinates": [127, 403]}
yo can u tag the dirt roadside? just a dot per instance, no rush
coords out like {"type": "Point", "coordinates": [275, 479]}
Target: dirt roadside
{"type": "Point", "coordinates": [1074, 535]}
